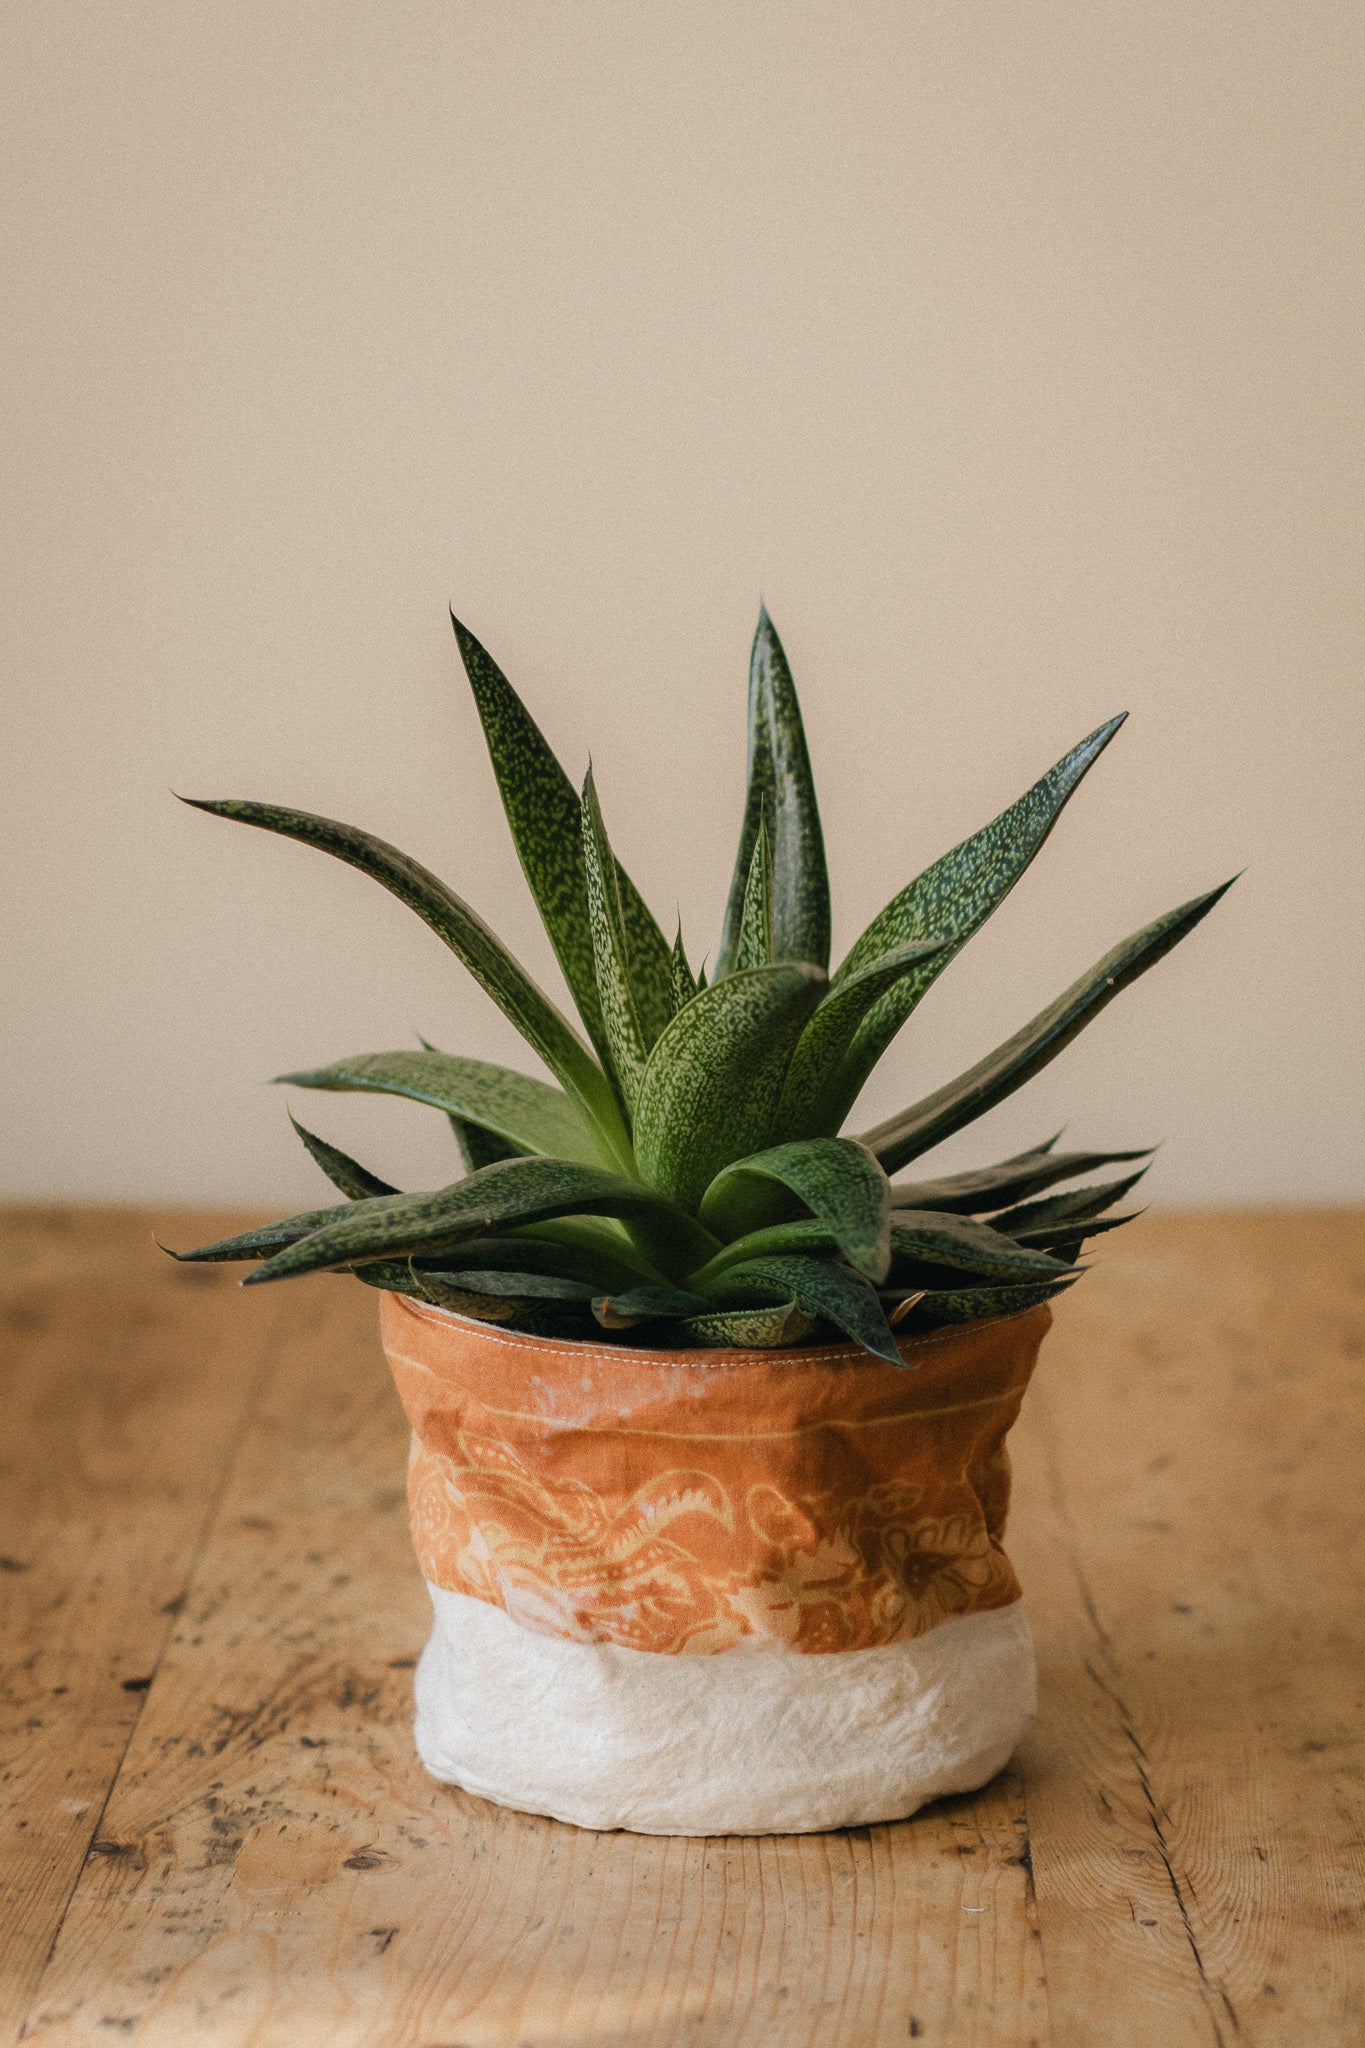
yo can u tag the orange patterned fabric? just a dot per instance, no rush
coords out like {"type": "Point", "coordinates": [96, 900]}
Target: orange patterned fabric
{"type": "Point", "coordinates": [692, 1501]}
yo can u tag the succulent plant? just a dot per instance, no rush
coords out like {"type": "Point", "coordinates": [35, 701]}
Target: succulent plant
{"type": "Point", "coordinates": [686, 1184]}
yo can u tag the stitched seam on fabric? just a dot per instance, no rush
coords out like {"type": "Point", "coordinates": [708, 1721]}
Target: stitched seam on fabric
{"type": "Point", "coordinates": [520, 1340]}
{"type": "Point", "coordinates": [725, 1436]}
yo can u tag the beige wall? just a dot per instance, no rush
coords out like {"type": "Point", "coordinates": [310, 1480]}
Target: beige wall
{"type": "Point", "coordinates": [1014, 353]}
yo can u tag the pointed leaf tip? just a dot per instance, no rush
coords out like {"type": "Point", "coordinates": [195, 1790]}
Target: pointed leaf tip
{"type": "Point", "coordinates": [630, 1027]}
{"type": "Point", "coordinates": [544, 812]}
{"type": "Point", "coordinates": [951, 900]}
{"type": "Point", "coordinates": [927, 1123]}
{"type": "Point", "coordinates": [355, 1181]}
{"type": "Point", "coordinates": [780, 785]}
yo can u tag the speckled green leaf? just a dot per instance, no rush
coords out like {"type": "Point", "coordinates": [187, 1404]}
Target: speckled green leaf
{"type": "Point", "coordinates": [530, 1114]}
{"type": "Point", "coordinates": [1013, 1180]}
{"type": "Point", "coordinates": [631, 1305]}
{"type": "Point", "coordinates": [1066, 1243]}
{"type": "Point", "coordinates": [713, 1079]}
{"type": "Point", "coordinates": [812, 1103]}
{"type": "Point", "coordinates": [478, 1147]}
{"type": "Point", "coordinates": [544, 1028]}
{"type": "Point", "coordinates": [392, 1275]}
{"type": "Point", "coordinates": [755, 948]}
{"type": "Point", "coordinates": [272, 1237]}
{"type": "Point", "coordinates": [781, 789]}
{"type": "Point", "coordinates": [803, 1235]}
{"type": "Point", "coordinates": [616, 1260]}
{"type": "Point", "coordinates": [1078, 1205]}
{"type": "Point", "coordinates": [543, 811]}
{"type": "Point", "coordinates": [684, 981]}
{"type": "Point", "coordinates": [515, 1191]}
{"type": "Point", "coordinates": [933, 1239]}
{"type": "Point", "coordinates": [823, 1290]}
{"type": "Point", "coordinates": [970, 1304]}
{"type": "Point", "coordinates": [837, 1179]}
{"type": "Point", "coordinates": [465, 1301]}
{"type": "Point", "coordinates": [927, 1123]}
{"type": "Point", "coordinates": [520, 1286]}
{"type": "Point", "coordinates": [354, 1180]}
{"type": "Point", "coordinates": [516, 1252]}
{"type": "Point", "coordinates": [952, 899]}
{"type": "Point", "coordinates": [746, 1329]}
{"type": "Point", "coordinates": [628, 1045]}
{"type": "Point", "coordinates": [938, 1240]}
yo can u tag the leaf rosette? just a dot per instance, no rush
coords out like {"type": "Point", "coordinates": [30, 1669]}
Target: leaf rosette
{"type": "Point", "coordinates": [683, 1178]}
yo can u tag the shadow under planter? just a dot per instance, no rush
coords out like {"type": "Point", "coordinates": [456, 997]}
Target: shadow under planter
{"type": "Point", "coordinates": [714, 1592]}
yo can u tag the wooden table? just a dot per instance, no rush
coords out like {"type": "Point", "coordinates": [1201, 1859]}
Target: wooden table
{"type": "Point", "coordinates": [216, 1830]}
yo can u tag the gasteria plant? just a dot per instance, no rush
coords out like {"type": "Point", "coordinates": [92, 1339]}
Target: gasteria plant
{"type": "Point", "coordinates": [685, 1184]}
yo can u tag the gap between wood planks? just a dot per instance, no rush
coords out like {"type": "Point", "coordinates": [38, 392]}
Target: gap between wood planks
{"type": "Point", "coordinates": [1196, 1781]}
{"type": "Point", "coordinates": [96, 1327]}
{"type": "Point", "coordinates": [281, 1872]}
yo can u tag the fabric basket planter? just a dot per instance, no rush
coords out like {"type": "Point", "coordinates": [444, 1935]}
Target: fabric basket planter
{"type": "Point", "coordinates": [714, 1593]}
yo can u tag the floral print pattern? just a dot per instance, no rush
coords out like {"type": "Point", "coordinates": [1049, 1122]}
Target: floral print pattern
{"type": "Point", "coordinates": [816, 1500]}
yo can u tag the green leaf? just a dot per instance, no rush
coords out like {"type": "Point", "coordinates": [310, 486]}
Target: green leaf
{"type": "Point", "coordinates": [615, 1259]}
{"type": "Point", "coordinates": [713, 1079]}
{"type": "Point", "coordinates": [952, 899]}
{"type": "Point", "coordinates": [527, 1113]}
{"type": "Point", "coordinates": [943, 1240]}
{"type": "Point", "coordinates": [272, 1237]}
{"type": "Point", "coordinates": [972, 1304]}
{"type": "Point", "coordinates": [632, 1305]}
{"type": "Point", "coordinates": [515, 1191]}
{"type": "Point", "coordinates": [812, 1105]}
{"type": "Point", "coordinates": [837, 1179]}
{"type": "Point", "coordinates": [595, 1264]}
{"type": "Point", "coordinates": [823, 1290]}
{"type": "Point", "coordinates": [1078, 1205]}
{"type": "Point", "coordinates": [803, 1235]}
{"type": "Point", "coordinates": [992, 1187]}
{"type": "Point", "coordinates": [392, 1275]}
{"type": "Point", "coordinates": [684, 981]}
{"type": "Point", "coordinates": [479, 1147]}
{"type": "Point", "coordinates": [747, 1329]}
{"type": "Point", "coordinates": [521, 1286]}
{"type": "Point", "coordinates": [628, 1043]}
{"type": "Point", "coordinates": [755, 947]}
{"type": "Point", "coordinates": [465, 1301]}
{"type": "Point", "coordinates": [1066, 1243]}
{"type": "Point", "coordinates": [544, 813]}
{"type": "Point", "coordinates": [545, 1029]}
{"type": "Point", "coordinates": [780, 789]}
{"type": "Point", "coordinates": [928, 1123]}
{"type": "Point", "coordinates": [343, 1171]}
{"type": "Point", "coordinates": [938, 1240]}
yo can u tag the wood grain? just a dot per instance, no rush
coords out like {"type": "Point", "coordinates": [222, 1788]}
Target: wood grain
{"type": "Point", "coordinates": [122, 1400]}
{"type": "Point", "coordinates": [1190, 1527]}
{"type": "Point", "coordinates": [272, 1867]}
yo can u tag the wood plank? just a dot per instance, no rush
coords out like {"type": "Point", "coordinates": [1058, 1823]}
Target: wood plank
{"type": "Point", "coordinates": [278, 1869]}
{"type": "Point", "coordinates": [122, 1401]}
{"type": "Point", "coordinates": [275, 1868]}
{"type": "Point", "coordinates": [1192, 1456]}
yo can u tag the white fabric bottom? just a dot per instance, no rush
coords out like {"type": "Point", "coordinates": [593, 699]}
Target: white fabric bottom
{"type": "Point", "coordinates": [752, 1741]}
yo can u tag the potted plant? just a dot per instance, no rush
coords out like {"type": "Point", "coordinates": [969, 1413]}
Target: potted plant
{"type": "Point", "coordinates": [708, 1475]}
